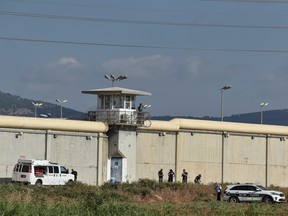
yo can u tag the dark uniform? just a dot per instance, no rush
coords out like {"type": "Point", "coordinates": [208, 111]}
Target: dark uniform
{"type": "Point", "coordinates": [75, 174]}
{"type": "Point", "coordinates": [184, 176]}
{"type": "Point", "coordinates": [160, 175]}
{"type": "Point", "coordinates": [171, 174]}
{"type": "Point", "coordinates": [197, 179]}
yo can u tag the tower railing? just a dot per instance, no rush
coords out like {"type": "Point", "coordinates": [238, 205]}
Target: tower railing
{"type": "Point", "coordinates": [119, 117]}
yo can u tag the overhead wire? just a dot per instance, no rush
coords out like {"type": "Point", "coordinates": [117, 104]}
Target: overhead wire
{"type": "Point", "coordinates": [98, 6]}
{"type": "Point", "coordinates": [140, 22]}
{"type": "Point", "coordinates": [149, 22]}
{"type": "Point", "coordinates": [156, 9]}
{"type": "Point", "coordinates": [142, 46]}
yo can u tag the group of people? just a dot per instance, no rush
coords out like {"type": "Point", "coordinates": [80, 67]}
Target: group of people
{"type": "Point", "coordinates": [171, 175]}
{"type": "Point", "coordinates": [184, 175]}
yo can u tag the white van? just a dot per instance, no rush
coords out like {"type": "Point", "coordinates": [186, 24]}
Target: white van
{"type": "Point", "coordinates": [41, 172]}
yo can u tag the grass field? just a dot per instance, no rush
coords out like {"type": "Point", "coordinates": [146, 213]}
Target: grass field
{"type": "Point", "coordinates": [145, 197]}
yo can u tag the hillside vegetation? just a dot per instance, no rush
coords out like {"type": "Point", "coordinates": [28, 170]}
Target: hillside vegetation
{"type": "Point", "coordinates": [145, 197]}
{"type": "Point", "coordinates": [16, 106]}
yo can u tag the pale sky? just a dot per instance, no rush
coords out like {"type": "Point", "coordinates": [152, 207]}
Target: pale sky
{"type": "Point", "coordinates": [183, 52]}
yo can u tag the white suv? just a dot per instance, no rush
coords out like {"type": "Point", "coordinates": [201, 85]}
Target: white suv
{"type": "Point", "coordinates": [252, 192]}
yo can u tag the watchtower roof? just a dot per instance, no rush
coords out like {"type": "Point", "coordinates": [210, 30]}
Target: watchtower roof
{"type": "Point", "coordinates": [116, 90]}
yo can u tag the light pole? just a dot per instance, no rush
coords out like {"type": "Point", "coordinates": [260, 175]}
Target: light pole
{"type": "Point", "coordinates": [36, 105]}
{"type": "Point", "coordinates": [226, 87]}
{"type": "Point", "coordinates": [262, 105]}
{"type": "Point", "coordinates": [114, 79]}
{"type": "Point", "coordinates": [146, 106]}
{"type": "Point", "coordinates": [61, 106]}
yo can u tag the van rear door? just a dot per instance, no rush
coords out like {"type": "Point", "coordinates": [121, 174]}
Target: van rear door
{"type": "Point", "coordinates": [25, 172]}
{"type": "Point", "coordinates": [15, 175]}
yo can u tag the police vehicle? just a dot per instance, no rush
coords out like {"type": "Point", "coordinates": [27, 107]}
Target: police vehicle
{"type": "Point", "coordinates": [252, 192]}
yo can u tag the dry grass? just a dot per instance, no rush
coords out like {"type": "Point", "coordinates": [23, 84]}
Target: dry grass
{"type": "Point", "coordinates": [138, 197]}
{"type": "Point", "coordinates": [190, 193]}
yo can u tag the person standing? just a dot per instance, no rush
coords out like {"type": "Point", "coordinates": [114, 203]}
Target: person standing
{"type": "Point", "coordinates": [171, 174]}
{"type": "Point", "coordinates": [74, 172]}
{"type": "Point", "coordinates": [184, 176]}
{"type": "Point", "coordinates": [218, 190]}
{"type": "Point", "coordinates": [160, 175]}
{"type": "Point", "coordinates": [197, 179]}
{"type": "Point", "coordinates": [140, 107]}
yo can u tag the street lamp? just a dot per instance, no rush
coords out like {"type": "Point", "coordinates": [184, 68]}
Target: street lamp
{"type": "Point", "coordinates": [114, 79]}
{"type": "Point", "coordinates": [146, 106]}
{"type": "Point", "coordinates": [61, 102]}
{"type": "Point", "coordinates": [226, 87]}
{"type": "Point", "coordinates": [36, 105]}
{"type": "Point", "coordinates": [262, 105]}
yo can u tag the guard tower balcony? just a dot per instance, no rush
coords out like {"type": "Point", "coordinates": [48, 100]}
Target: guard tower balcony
{"type": "Point", "coordinates": [117, 105]}
{"type": "Point", "coordinates": [120, 117]}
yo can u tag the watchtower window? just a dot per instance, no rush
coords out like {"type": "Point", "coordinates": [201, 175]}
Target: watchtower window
{"type": "Point", "coordinates": [108, 102]}
{"type": "Point", "coordinates": [133, 102]}
{"type": "Point", "coordinates": [100, 102]}
{"type": "Point", "coordinates": [128, 102]}
{"type": "Point", "coordinates": [118, 101]}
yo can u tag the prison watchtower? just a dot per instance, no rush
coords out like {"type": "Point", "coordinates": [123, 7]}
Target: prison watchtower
{"type": "Point", "coordinates": [116, 105]}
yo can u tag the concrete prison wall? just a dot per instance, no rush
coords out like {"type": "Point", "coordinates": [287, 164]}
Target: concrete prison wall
{"type": "Point", "coordinates": [80, 145]}
{"type": "Point", "coordinates": [220, 151]}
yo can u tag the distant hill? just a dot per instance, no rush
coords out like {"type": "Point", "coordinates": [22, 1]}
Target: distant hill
{"type": "Point", "coordinates": [16, 106]}
{"type": "Point", "coordinates": [273, 117]}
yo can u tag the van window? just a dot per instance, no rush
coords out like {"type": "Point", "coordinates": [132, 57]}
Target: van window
{"type": "Point", "coordinates": [25, 168]}
{"type": "Point", "coordinates": [16, 167]}
{"type": "Point", "coordinates": [63, 170]}
{"type": "Point", "coordinates": [56, 169]}
{"type": "Point", "coordinates": [50, 169]}
{"type": "Point", "coordinates": [43, 169]}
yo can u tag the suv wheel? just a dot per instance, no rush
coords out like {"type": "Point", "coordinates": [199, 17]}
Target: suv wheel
{"type": "Point", "coordinates": [267, 199]}
{"type": "Point", "coordinates": [233, 199]}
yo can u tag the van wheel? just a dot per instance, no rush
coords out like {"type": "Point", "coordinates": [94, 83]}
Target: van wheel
{"type": "Point", "coordinates": [267, 199]}
{"type": "Point", "coordinates": [233, 199]}
{"type": "Point", "coordinates": [70, 181]}
{"type": "Point", "coordinates": [38, 182]}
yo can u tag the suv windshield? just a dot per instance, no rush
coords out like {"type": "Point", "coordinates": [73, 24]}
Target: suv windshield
{"type": "Point", "coordinates": [261, 187]}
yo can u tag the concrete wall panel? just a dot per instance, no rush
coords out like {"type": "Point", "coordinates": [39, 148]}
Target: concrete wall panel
{"type": "Point", "coordinates": [78, 153]}
{"type": "Point", "coordinates": [154, 152]}
{"type": "Point", "coordinates": [28, 145]}
{"type": "Point", "coordinates": [277, 162]}
{"type": "Point", "coordinates": [127, 146]}
{"type": "Point", "coordinates": [245, 159]}
{"type": "Point", "coordinates": [278, 175]}
{"type": "Point", "coordinates": [244, 173]}
{"type": "Point", "coordinates": [199, 153]}
{"type": "Point", "coordinates": [245, 150]}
